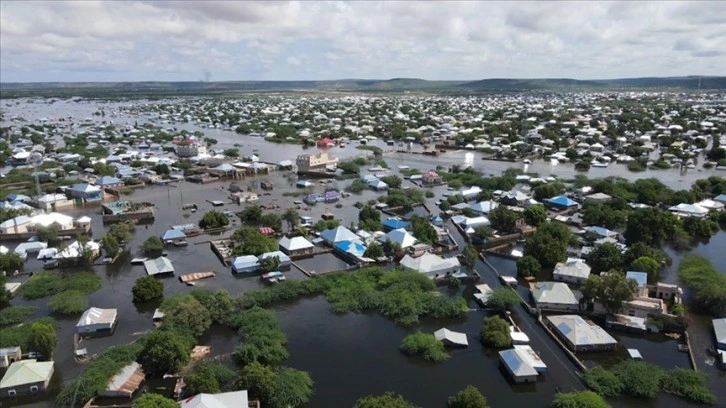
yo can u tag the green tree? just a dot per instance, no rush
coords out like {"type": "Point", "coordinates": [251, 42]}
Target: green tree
{"type": "Point", "coordinates": [469, 397]}
{"type": "Point", "coordinates": [10, 262]}
{"type": "Point", "coordinates": [549, 244]}
{"type": "Point", "coordinates": [161, 169]}
{"type": "Point", "coordinates": [650, 226]}
{"type": "Point", "coordinates": [528, 266]}
{"type": "Point", "coordinates": [232, 152]}
{"type": "Point", "coordinates": [641, 379]}
{"type": "Point", "coordinates": [611, 290]}
{"type": "Point", "coordinates": [110, 245]}
{"type": "Point", "coordinates": [147, 288]}
{"type": "Point", "coordinates": [251, 242]}
{"type": "Point", "coordinates": [425, 345]}
{"type": "Point", "coordinates": [150, 400]}
{"type": "Point", "coordinates": [201, 380]}
{"type": "Point", "coordinates": [293, 388]}
{"type": "Point", "coordinates": [164, 351]}
{"type": "Point", "coordinates": [48, 234]}
{"type": "Point", "coordinates": [214, 219]}
{"type": "Point", "coordinates": [422, 229]}
{"type": "Point", "coordinates": [270, 263]}
{"type": "Point", "coordinates": [495, 332]}
{"type": "Point", "coordinates": [387, 400]}
{"type": "Point", "coordinates": [68, 303]}
{"type": "Point", "coordinates": [700, 227]}
{"type": "Point", "coordinates": [259, 380]}
{"type": "Point", "coordinates": [503, 219]}
{"type": "Point", "coordinates": [604, 257]}
{"type": "Point", "coordinates": [251, 214]}
{"type": "Point", "coordinates": [121, 231]}
{"type": "Point", "coordinates": [647, 265]}
{"type": "Point", "coordinates": [42, 339]}
{"type": "Point", "coordinates": [189, 315]}
{"type": "Point", "coordinates": [4, 293]}
{"type": "Point", "coordinates": [545, 191]}
{"type": "Point", "coordinates": [535, 215]}
{"type": "Point", "coordinates": [579, 399]}
{"type": "Point", "coordinates": [292, 217]}
{"type": "Point", "coordinates": [271, 220]}
{"type": "Point", "coordinates": [603, 382]}
{"type": "Point", "coordinates": [393, 181]}
{"type": "Point", "coordinates": [390, 248]}
{"type": "Point", "coordinates": [152, 246]}
{"type": "Point", "coordinates": [369, 218]}
{"type": "Point", "coordinates": [470, 256]}
{"type": "Point", "coordinates": [374, 250]}
{"type": "Point", "coordinates": [503, 298]}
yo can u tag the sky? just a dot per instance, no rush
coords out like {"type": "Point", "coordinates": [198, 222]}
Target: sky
{"type": "Point", "coordinates": [82, 41]}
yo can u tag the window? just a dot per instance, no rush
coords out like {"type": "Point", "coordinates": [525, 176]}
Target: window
{"type": "Point", "coordinates": [33, 388]}
{"type": "Point", "coordinates": [11, 393]}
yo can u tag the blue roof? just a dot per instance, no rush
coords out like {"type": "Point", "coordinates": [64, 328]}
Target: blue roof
{"type": "Point", "coordinates": [640, 277]}
{"type": "Point", "coordinates": [720, 197]}
{"type": "Point", "coordinates": [173, 234]}
{"type": "Point", "coordinates": [354, 247]}
{"type": "Point", "coordinates": [603, 232]}
{"type": "Point", "coordinates": [107, 180]}
{"type": "Point", "coordinates": [394, 223]}
{"type": "Point", "coordinates": [562, 201]}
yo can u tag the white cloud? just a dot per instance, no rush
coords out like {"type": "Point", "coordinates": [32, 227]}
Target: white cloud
{"type": "Point", "coordinates": [85, 40]}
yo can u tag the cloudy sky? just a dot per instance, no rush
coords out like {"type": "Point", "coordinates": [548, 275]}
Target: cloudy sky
{"type": "Point", "coordinates": [192, 41]}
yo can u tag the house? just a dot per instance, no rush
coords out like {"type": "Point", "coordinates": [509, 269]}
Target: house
{"type": "Point", "coordinates": [108, 182]}
{"type": "Point", "coordinates": [519, 370]}
{"type": "Point", "coordinates": [711, 205]}
{"type": "Point", "coordinates": [483, 291]}
{"type": "Point", "coordinates": [159, 266]}
{"type": "Point", "coordinates": [475, 222]}
{"type": "Point", "coordinates": [352, 249]}
{"type": "Point", "coordinates": [76, 250]}
{"type": "Point", "coordinates": [451, 338]}
{"type": "Point", "coordinates": [26, 377]}
{"type": "Point", "coordinates": [377, 184]}
{"type": "Point", "coordinates": [666, 291]}
{"type": "Point", "coordinates": [531, 357]}
{"type": "Point", "coordinates": [97, 320]}
{"type": "Point", "coordinates": [601, 232]}
{"type": "Point", "coordinates": [580, 334]}
{"type": "Point", "coordinates": [393, 223]}
{"type": "Point", "coordinates": [598, 197]}
{"type": "Point", "coordinates": [643, 307]}
{"type": "Point", "coordinates": [338, 234]}
{"type": "Point", "coordinates": [471, 193]}
{"type": "Point", "coordinates": [296, 246]}
{"type": "Point", "coordinates": [17, 225]}
{"type": "Point", "coordinates": [484, 207]}
{"type": "Point", "coordinates": [233, 399]}
{"type": "Point", "coordinates": [554, 296]}
{"type": "Point", "coordinates": [281, 256]}
{"type": "Point", "coordinates": [9, 355]}
{"type": "Point", "coordinates": [245, 264]}
{"type": "Point", "coordinates": [399, 236]}
{"type": "Point", "coordinates": [573, 270]}
{"type": "Point", "coordinates": [626, 323]}
{"type": "Point", "coordinates": [431, 178]}
{"type": "Point", "coordinates": [431, 265]}
{"type": "Point", "coordinates": [561, 203]}
{"type": "Point", "coordinates": [86, 192]}
{"type": "Point", "coordinates": [641, 279]}
{"type": "Point", "coordinates": [54, 202]}
{"type": "Point", "coordinates": [242, 197]}
{"type": "Point", "coordinates": [173, 236]}
{"type": "Point", "coordinates": [721, 198]}
{"type": "Point", "coordinates": [688, 210]}
{"type": "Point", "coordinates": [126, 382]}
{"type": "Point", "coordinates": [514, 198]}
{"type": "Point", "coordinates": [719, 331]}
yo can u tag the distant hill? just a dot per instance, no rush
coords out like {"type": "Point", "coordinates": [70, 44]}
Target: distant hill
{"type": "Point", "coordinates": [10, 90]}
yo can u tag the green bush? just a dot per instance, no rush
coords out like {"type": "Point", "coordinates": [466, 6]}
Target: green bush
{"type": "Point", "coordinates": [147, 288]}
{"type": "Point", "coordinates": [68, 303]}
{"type": "Point", "coordinates": [153, 246]}
{"type": "Point", "coordinates": [603, 382]}
{"type": "Point", "coordinates": [425, 345]}
{"type": "Point", "coordinates": [495, 332]}
{"type": "Point", "coordinates": [51, 283]}
{"type": "Point", "coordinates": [15, 314]}
{"type": "Point", "coordinates": [707, 283]}
{"type": "Point", "coordinates": [688, 384]}
{"type": "Point", "coordinates": [579, 399]}
{"type": "Point", "coordinates": [639, 379]}
{"type": "Point", "coordinates": [262, 338]}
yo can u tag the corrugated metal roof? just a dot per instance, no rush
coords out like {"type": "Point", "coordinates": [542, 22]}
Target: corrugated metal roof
{"type": "Point", "coordinates": [127, 380]}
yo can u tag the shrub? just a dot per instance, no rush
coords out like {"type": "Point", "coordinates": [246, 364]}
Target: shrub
{"type": "Point", "coordinates": [68, 302]}
{"type": "Point", "coordinates": [603, 382]}
{"type": "Point", "coordinates": [51, 283]}
{"type": "Point", "coordinates": [425, 345]}
{"type": "Point", "coordinates": [153, 246]}
{"type": "Point", "coordinates": [688, 384]}
{"type": "Point", "coordinates": [147, 288]}
{"type": "Point", "coordinates": [579, 399]}
{"type": "Point", "coordinates": [640, 379]}
{"type": "Point", "coordinates": [707, 283]}
{"type": "Point", "coordinates": [15, 314]}
{"type": "Point", "coordinates": [495, 332]}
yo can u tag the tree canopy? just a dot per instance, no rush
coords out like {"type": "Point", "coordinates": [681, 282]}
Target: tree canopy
{"type": "Point", "coordinates": [422, 229]}
{"type": "Point", "coordinates": [151, 400]}
{"type": "Point", "coordinates": [549, 244]}
{"type": "Point", "coordinates": [611, 290]}
{"type": "Point", "coordinates": [387, 400]}
{"type": "Point", "coordinates": [164, 351]}
{"type": "Point", "coordinates": [43, 339]}
{"type": "Point", "coordinates": [605, 257]}
{"type": "Point", "coordinates": [579, 399]}
{"type": "Point", "coordinates": [528, 266]}
{"type": "Point", "coordinates": [503, 219]}
{"type": "Point", "coordinates": [495, 332]}
{"type": "Point", "coordinates": [214, 219]}
{"type": "Point", "coordinates": [147, 288]}
{"type": "Point", "coordinates": [425, 345]}
{"type": "Point", "coordinates": [535, 215]}
{"type": "Point", "coordinates": [469, 397]}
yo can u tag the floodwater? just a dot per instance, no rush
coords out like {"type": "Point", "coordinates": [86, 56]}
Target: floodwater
{"type": "Point", "coordinates": [351, 355]}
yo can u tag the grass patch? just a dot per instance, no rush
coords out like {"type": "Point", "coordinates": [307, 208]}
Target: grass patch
{"type": "Point", "coordinates": [68, 303]}
{"type": "Point", "coordinates": [424, 345]}
{"type": "Point", "coordinates": [707, 283]}
{"type": "Point", "coordinates": [15, 314]}
{"type": "Point", "coordinates": [52, 283]}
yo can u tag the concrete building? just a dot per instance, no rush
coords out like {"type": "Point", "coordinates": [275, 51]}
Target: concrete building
{"type": "Point", "coordinates": [316, 163]}
{"type": "Point", "coordinates": [554, 296]}
{"type": "Point", "coordinates": [519, 370]}
{"type": "Point", "coordinates": [9, 355]}
{"type": "Point", "coordinates": [399, 236]}
{"type": "Point", "coordinates": [245, 264]}
{"type": "Point", "coordinates": [580, 334]}
{"type": "Point", "coordinates": [431, 265]}
{"type": "Point", "coordinates": [296, 246]}
{"type": "Point", "coordinates": [641, 279]}
{"type": "Point", "coordinates": [573, 270]}
{"type": "Point", "coordinates": [159, 266]}
{"type": "Point", "coordinates": [97, 320]}
{"type": "Point", "coordinates": [26, 377]}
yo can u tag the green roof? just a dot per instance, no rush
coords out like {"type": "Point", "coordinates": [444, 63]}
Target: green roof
{"type": "Point", "coordinates": [26, 372]}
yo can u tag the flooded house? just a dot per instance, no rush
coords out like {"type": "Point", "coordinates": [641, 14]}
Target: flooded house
{"type": "Point", "coordinates": [97, 320]}
{"type": "Point", "coordinates": [580, 334]}
{"type": "Point", "coordinates": [554, 296]}
{"type": "Point", "coordinates": [431, 265]}
{"type": "Point", "coordinates": [26, 377]}
{"type": "Point", "coordinates": [159, 266]}
{"type": "Point", "coordinates": [573, 270]}
{"type": "Point", "coordinates": [125, 383]}
{"type": "Point", "coordinates": [296, 246]}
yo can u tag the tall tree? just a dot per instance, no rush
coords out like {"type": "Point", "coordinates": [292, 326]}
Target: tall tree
{"type": "Point", "coordinates": [164, 351]}
{"type": "Point", "coordinates": [604, 257]}
{"type": "Point", "coordinates": [535, 215]}
{"type": "Point", "coordinates": [43, 339]}
{"type": "Point", "coordinates": [503, 219]}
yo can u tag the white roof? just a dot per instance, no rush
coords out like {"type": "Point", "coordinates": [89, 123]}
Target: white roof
{"type": "Point", "coordinates": [401, 236]}
{"type": "Point", "coordinates": [516, 363]}
{"type": "Point", "coordinates": [530, 357]}
{"type": "Point", "coordinates": [158, 265]}
{"type": "Point", "coordinates": [295, 243]}
{"type": "Point", "coordinates": [710, 204]}
{"type": "Point", "coordinates": [579, 331]}
{"type": "Point", "coordinates": [635, 354]}
{"type": "Point", "coordinates": [689, 209]}
{"type": "Point", "coordinates": [234, 399]}
{"type": "Point", "coordinates": [19, 220]}
{"type": "Point", "coordinates": [429, 263]}
{"type": "Point", "coordinates": [719, 329]}
{"type": "Point", "coordinates": [484, 207]}
{"type": "Point", "coordinates": [26, 372]}
{"type": "Point", "coordinates": [573, 267]}
{"type": "Point", "coordinates": [553, 293]}
{"type": "Point", "coordinates": [74, 250]}
{"type": "Point", "coordinates": [95, 315]}
{"type": "Point", "coordinates": [338, 234]}
{"type": "Point", "coordinates": [452, 337]}
{"type": "Point", "coordinates": [51, 218]}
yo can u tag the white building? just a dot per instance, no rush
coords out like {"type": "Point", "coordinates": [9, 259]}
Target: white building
{"type": "Point", "coordinates": [554, 296]}
{"type": "Point", "coordinates": [431, 265]}
{"type": "Point", "coordinates": [96, 320]}
{"type": "Point", "coordinates": [573, 270]}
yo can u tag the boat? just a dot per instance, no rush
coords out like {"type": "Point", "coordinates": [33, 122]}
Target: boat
{"type": "Point", "coordinates": [189, 278]}
{"type": "Point", "coordinates": [138, 261]}
{"type": "Point", "coordinates": [273, 277]}
{"type": "Point", "coordinates": [527, 161]}
{"type": "Point", "coordinates": [598, 164]}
